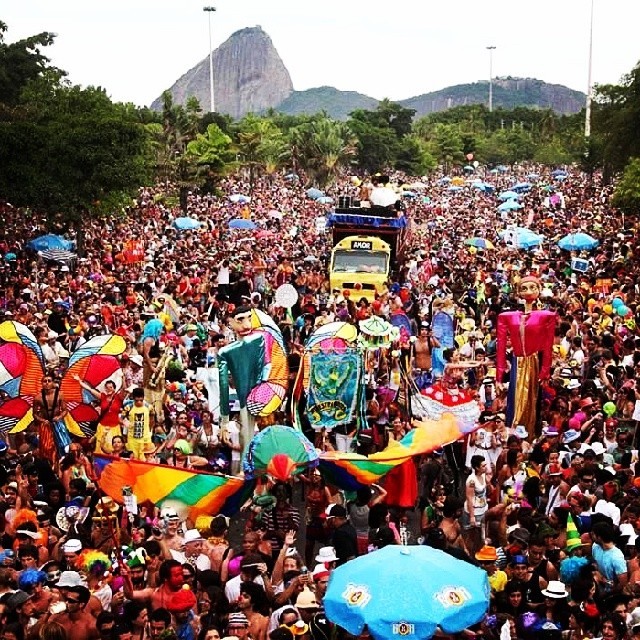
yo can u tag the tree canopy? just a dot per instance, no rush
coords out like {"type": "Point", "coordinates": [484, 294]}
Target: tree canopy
{"type": "Point", "coordinates": [63, 149]}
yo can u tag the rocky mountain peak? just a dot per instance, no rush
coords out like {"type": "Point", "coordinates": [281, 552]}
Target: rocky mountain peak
{"type": "Point", "coordinates": [249, 76]}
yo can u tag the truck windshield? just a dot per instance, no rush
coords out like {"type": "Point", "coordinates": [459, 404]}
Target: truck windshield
{"type": "Point", "coordinates": [360, 261]}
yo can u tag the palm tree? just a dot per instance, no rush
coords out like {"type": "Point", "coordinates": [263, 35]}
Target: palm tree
{"type": "Point", "coordinates": [259, 146]}
{"type": "Point", "coordinates": [321, 148]}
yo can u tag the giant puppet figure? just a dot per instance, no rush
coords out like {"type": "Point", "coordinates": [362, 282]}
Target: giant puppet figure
{"type": "Point", "coordinates": [256, 364]}
{"type": "Point", "coordinates": [531, 335]}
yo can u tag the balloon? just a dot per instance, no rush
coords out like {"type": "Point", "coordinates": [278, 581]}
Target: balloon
{"type": "Point", "coordinates": [623, 310]}
{"type": "Point", "coordinates": [563, 351]}
{"type": "Point", "coordinates": [609, 408]}
{"type": "Point", "coordinates": [617, 302]}
{"type": "Point", "coordinates": [608, 309]}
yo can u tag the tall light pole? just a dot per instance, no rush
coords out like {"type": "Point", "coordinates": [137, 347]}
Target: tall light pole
{"type": "Point", "coordinates": [587, 111]}
{"type": "Point", "coordinates": [209, 11]}
{"type": "Point", "coordinates": [490, 49]}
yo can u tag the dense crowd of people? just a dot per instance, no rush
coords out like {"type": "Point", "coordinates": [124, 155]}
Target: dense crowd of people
{"type": "Point", "coordinates": [550, 510]}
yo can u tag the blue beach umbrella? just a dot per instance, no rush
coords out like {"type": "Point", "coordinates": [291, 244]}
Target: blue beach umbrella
{"type": "Point", "coordinates": [185, 224]}
{"type": "Point", "coordinates": [508, 195]}
{"type": "Point", "coordinates": [510, 205]}
{"type": "Point", "coordinates": [239, 198]}
{"type": "Point", "coordinates": [578, 242]}
{"type": "Point", "coordinates": [241, 223]}
{"type": "Point", "coordinates": [523, 238]}
{"type": "Point", "coordinates": [446, 593]}
{"type": "Point", "coordinates": [454, 188]}
{"type": "Point", "coordinates": [314, 193]}
{"type": "Point", "coordinates": [50, 241]}
{"type": "Point", "coordinates": [521, 186]}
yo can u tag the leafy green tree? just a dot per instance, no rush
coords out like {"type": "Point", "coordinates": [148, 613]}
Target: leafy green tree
{"type": "Point", "coordinates": [414, 157]}
{"type": "Point", "coordinates": [616, 121]}
{"type": "Point", "coordinates": [64, 150]}
{"type": "Point", "coordinates": [22, 62]}
{"type": "Point", "coordinates": [74, 151]}
{"type": "Point", "coordinates": [448, 145]}
{"type": "Point", "coordinates": [380, 134]}
{"type": "Point", "coordinates": [627, 192]}
{"type": "Point", "coordinates": [552, 153]}
{"type": "Point", "coordinates": [377, 147]}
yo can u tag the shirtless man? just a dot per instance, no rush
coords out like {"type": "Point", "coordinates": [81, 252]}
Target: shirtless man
{"type": "Point", "coordinates": [218, 546]}
{"type": "Point", "coordinates": [76, 621]}
{"type": "Point", "coordinates": [422, 356]}
{"type": "Point", "coordinates": [250, 596]}
{"type": "Point", "coordinates": [171, 538]}
{"type": "Point", "coordinates": [171, 581]}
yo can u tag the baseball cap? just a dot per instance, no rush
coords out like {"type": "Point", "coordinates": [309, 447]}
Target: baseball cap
{"type": "Point", "coordinates": [337, 511]}
{"type": "Point", "coordinates": [17, 599]}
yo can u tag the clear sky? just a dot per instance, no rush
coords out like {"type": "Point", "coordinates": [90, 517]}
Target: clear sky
{"type": "Point", "coordinates": [135, 49]}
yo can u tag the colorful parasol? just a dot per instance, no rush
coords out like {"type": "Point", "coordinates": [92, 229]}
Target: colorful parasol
{"type": "Point", "coordinates": [280, 452]}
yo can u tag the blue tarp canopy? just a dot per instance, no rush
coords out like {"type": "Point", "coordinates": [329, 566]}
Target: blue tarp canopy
{"type": "Point", "coordinates": [366, 221]}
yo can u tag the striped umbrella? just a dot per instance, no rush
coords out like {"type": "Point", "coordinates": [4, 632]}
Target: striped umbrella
{"type": "Point", "coordinates": [58, 255]}
{"type": "Point", "coordinates": [480, 243]}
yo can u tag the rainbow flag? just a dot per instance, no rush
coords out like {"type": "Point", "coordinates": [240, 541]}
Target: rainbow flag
{"type": "Point", "coordinates": [200, 492]}
{"type": "Point", "coordinates": [351, 471]}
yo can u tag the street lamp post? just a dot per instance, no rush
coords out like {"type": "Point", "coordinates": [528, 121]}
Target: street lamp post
{"type": "Point", "coordinates": [490, 49]}
{"type": "Point", "coordinates": [209, 11]}
{"type": "Point", "coordinates": [587, 114]}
